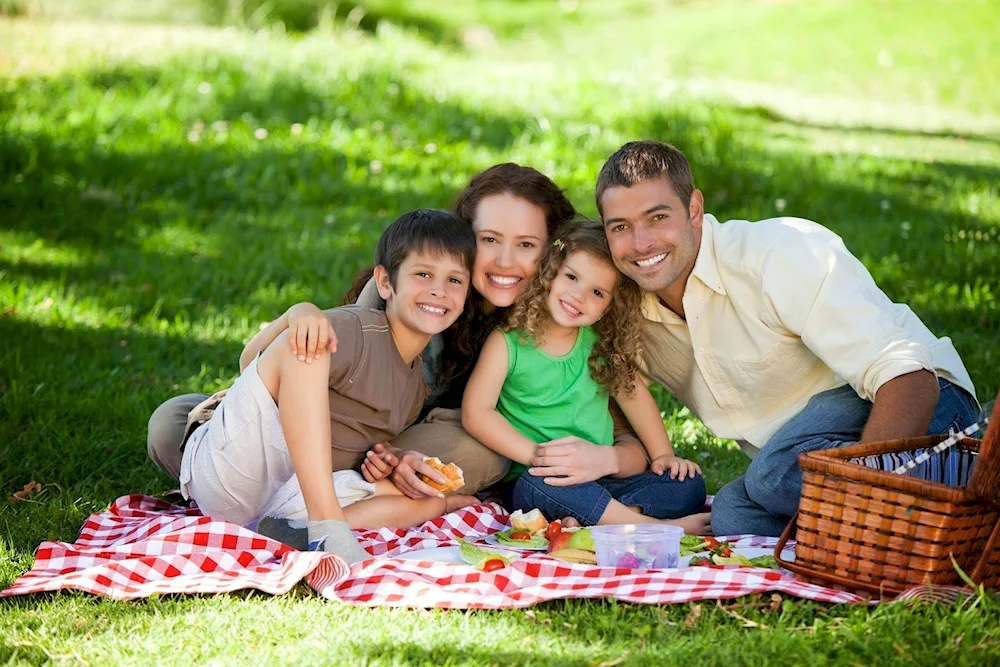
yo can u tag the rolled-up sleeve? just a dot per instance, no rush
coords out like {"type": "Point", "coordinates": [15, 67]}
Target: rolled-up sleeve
{"type": "Point", "coordinates": [815, 289]}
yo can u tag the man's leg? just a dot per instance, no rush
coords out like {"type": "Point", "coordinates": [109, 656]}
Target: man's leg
{"type": "Point", "coordinates": [166, 428]}
{"type": "Point", "coordinates": [765, 499]}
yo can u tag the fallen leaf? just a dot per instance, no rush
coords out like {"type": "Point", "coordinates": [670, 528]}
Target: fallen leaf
{"type": "Point", "coordinates": [25, 493]}
{"type": "Point", "coordinates": [693, 616]}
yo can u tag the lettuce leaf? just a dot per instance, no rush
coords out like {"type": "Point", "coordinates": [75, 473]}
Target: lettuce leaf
{"type": "Point", "coordinates": [477, 556]}
{"type": "Point", "coordinates": [503, 537]}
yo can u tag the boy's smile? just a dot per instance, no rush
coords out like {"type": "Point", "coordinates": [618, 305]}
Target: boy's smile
{"type": "Point", "coordinates": [428, 296]}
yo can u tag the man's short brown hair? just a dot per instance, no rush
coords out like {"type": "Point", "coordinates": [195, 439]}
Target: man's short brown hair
{"type": "Point", "coordinates": [639, 161]}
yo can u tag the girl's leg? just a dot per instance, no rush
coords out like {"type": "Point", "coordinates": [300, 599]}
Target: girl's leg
{"type": "Point", "coordinates": [592, 504]}
{"type": "Point", "coordinates": [390, 508]}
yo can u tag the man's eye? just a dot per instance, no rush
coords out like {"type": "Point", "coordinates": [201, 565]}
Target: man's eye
{"type": "Point", "coordinates": [618, 228]}
{"type": "Point", "coordinates": [659, 216]}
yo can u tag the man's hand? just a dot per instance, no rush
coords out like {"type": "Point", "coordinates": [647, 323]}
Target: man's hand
{"type": "Point", "coordinates": [679, 468]}
{"type": "Point", "coordinates": [406, 480]}
{"type": "Point", "coordinates": [571, 460]}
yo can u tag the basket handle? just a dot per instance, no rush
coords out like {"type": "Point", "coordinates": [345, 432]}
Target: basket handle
{"type": "Point", "coordinates": [985, 481]}
{"type": "Point", "coordinates": [786, 534]}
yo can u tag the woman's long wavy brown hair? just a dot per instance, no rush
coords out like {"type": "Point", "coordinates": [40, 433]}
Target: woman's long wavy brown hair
{"type": "Point", "coordinates": [615, 358]}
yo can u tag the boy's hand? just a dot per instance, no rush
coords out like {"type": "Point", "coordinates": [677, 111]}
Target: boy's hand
{"type": "Point", "coordinates": [679, 468]}
{"type": "Point", "coordinates": [378, 464]}
{"type": "Point", "coordinates": [309, 332]}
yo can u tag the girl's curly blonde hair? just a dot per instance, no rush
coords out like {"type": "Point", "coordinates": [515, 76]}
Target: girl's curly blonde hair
{"type": "Point", "coordinates": [615, 358]}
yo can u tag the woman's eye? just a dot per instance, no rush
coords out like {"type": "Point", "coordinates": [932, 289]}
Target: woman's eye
{"type": "Point", "coordinates": [488, 239]}
{"type": "Point", "coordinates": [527, 244]}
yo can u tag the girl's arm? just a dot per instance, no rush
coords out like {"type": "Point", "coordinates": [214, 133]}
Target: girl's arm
{"type": "Point", "coordinates": [479, 404]}
{"type": "Point", "coordinates": [641, 411]}
{"type": "Point", "coordinates": [310, 334]}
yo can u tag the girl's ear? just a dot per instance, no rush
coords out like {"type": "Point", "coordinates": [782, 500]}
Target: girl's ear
{"type": "Point", "coordinates": [382, 282]}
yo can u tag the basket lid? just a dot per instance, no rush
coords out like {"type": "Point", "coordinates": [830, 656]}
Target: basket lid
{"type": "Point", "coordinates": [985, 481]}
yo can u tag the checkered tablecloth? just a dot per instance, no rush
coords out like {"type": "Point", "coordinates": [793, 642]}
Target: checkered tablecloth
{"type": "Point", "coordinates": [142, 545]}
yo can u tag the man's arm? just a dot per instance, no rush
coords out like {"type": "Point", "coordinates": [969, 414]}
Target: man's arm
{"type": "Point", "coordinates": [903, 407]}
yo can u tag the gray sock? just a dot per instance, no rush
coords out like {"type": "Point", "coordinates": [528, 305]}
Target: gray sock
{"type": "Point", "coordinates": [334, 536]}
{"type": "Point", "coordinates": [293, 533]}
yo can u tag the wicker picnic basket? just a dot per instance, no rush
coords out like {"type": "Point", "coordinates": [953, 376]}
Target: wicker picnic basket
{"type": "Point", "coordinates": [874, 532]}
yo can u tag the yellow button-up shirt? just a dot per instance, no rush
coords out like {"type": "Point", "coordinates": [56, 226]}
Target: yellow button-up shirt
{"type": "Point", "coordinates": [778, 311]}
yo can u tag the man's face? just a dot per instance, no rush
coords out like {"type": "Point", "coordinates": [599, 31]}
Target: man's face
{"type": "Point", "coordinates": [654, 237]}
{"type": "Point", "coordinates": [429, 293]}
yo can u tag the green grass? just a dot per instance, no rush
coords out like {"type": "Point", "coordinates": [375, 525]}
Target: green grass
{"type": "Point", "coordinates": [148, 226]}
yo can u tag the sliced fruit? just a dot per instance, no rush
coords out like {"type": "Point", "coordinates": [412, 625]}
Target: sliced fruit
{"type": "Point", "coordinates": [575, 556]}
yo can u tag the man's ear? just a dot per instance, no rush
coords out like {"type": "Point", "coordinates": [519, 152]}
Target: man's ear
{"type": "Point", "coordinates": [382, 282]}
{"type": "Point", "coordinates": [696, 209]}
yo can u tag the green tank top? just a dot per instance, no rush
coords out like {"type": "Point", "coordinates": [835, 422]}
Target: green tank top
{"type": "Point", "coordinates": [547, 397]}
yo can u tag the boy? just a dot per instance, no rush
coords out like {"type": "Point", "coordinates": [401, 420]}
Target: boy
{"type": "Point", "coordinates": [279, 426]}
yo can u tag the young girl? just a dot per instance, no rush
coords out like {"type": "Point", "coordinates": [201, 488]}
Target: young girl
{"type": "Point", "coordinates": [572, 341]}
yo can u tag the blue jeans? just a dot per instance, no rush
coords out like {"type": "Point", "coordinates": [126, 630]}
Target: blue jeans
{"type": "Point", "coordinates": [657, 495]}
{"type": "Point", "coordinates": [764, 500]}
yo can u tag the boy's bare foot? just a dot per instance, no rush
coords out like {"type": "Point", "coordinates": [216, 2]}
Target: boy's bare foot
{"type": "Point", "coordinates": [695, 524]}
{"type": "Point", "coordinates": [452, 503]}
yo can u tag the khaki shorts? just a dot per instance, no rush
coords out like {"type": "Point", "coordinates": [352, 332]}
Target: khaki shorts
{"type": "Point", "coordinates": [237, 468]}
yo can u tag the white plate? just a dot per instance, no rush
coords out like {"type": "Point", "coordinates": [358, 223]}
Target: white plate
{"type": "Point", "coordinates": [492, 540]}
{"type": "Point", "coordinates": [747, 552]}
{"type": "Point", "coordinates": [447, 555]}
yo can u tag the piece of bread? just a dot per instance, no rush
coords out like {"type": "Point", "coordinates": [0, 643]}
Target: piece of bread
{"type": "Point", "coordinates": [454, 479]}
{"type": "Point", "coordinates": [533, 521]}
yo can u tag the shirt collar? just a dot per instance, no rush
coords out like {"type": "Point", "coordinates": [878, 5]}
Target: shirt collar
{"type": "Point", "coordinates": [706, 271]}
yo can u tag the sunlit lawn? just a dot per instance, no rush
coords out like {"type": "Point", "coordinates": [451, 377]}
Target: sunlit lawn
{"type": "Point", "coordinates": [165, 189]}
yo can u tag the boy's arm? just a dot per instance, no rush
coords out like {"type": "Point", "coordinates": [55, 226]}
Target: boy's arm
{"type": "Point", "coordinates": [310, 336]}
{"type": "Point", "coordinates": [479, 404]}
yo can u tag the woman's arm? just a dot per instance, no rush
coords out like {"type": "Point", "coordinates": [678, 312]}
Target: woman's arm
{"type": "Point", "coordinates": [479, 404]}
{"type": "Point", "coordinates": [310, 334]}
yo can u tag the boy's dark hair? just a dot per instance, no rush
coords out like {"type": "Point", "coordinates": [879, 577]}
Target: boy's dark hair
{"type": "Point", "coordinates": [425, 230]}
{"type": "Point", "coordinates": [639, 161]}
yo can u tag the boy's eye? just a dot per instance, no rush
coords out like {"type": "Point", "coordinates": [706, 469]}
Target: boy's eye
{"type": "Point", "coordinates": [457, 281]}
{"type": "Point", "coordinates": [423, 274]}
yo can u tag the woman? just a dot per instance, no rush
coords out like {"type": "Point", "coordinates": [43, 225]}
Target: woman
{"type": "Point", "coordinates": [513, 211]}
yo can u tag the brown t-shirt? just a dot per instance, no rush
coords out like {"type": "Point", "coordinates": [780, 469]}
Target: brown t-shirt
{"type": "Point", "coordinates": [374, 394]}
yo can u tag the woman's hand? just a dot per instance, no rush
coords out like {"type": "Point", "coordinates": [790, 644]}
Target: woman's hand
{"type": "Point", "coordinates": [571, 460]}
{"type": "Point", "coordinates": [310, 332]}
{"type": "Point", "coordinates": [405, 476]}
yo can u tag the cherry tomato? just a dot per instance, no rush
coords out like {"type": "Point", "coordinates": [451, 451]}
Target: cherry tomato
{"type": "Point", "coordinates": [701, 560]}
{"type": "Point", "coordinates": [711, 543]}
{"type": "Point", "coordinates": [554, 529]}
{"type": "Point", "coordinates": [519, 535]}
{"type": "Point", "coordinates": [725, 552]}
{"type": "Point", "coordinates": [493, 564]}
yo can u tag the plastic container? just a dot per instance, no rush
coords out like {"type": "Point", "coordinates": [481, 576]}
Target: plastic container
{"type": "Point", "coordinates": [638, 546]}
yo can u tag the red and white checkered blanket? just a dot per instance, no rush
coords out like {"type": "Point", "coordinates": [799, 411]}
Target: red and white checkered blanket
{"type": "Point", "coordinates": [142, 545]}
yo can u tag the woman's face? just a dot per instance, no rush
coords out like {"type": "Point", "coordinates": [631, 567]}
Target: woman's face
{"type": "Point", "coordinates": [510, 236]}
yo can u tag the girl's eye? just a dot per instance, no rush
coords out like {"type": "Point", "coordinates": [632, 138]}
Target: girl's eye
{"type": "Point", "coordinates": [571, 277]}
{"type": "Point", "coordinates": [599, 294]}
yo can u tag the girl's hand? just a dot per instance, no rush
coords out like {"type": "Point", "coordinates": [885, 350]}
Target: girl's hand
{"type": "Point", "coordinates": [379, 463]}
{"type": "Point", "coordinates": [406, 480]}
{"type": "Point", "coordinates": [679, 468]}
{"type": "Point", "coordinates": [310, 332]}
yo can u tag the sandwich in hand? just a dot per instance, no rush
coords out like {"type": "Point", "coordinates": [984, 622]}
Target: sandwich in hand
{"type": "Point", "coordinates": [453, 477]}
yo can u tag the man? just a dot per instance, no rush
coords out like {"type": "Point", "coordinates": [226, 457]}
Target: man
{"type": "Point", "coordinates": [772, 333]}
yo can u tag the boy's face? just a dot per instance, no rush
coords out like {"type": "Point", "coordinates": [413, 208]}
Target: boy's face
{"type": "Point", "coordinates": [429, 293]}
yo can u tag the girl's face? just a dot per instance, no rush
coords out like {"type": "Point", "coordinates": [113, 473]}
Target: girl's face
{"type": "Point", "coordinates": [582, 290]}
{"type": "Point", "coordinates": [510, 236]}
